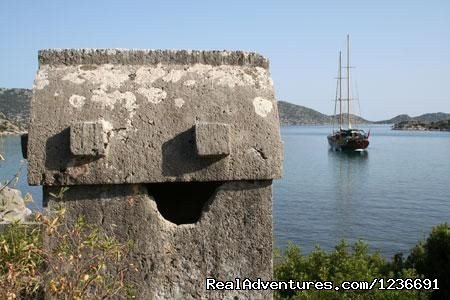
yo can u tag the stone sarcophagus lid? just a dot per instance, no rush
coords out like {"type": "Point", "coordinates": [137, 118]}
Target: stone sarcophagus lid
{"type": "Point", "coordinates": [191, 136]}
{"type": "Point", "coordinates": [117, 116]}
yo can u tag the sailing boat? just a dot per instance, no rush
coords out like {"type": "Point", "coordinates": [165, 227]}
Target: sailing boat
{"type": "Point", "coordinates": [346, 138]}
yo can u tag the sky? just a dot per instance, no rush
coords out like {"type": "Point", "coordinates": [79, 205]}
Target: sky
{"type": "Point", "coordinates": [400, 49]}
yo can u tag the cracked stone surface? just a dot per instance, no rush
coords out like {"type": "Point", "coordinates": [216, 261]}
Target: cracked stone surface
{"type": "Point", "coordinates": [152, 100]}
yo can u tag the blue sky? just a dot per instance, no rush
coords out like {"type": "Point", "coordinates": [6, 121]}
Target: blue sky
{"type": "Point", "coordinates": [401, 49]}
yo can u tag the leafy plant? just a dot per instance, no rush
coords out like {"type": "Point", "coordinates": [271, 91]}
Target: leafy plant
{"type": "Point", "coordinates": [66, 261]}
{"type": "Point", "coordinates": [21, 262]}
{"type": "Point", "coordinates": [342, 264]}
{"type": "Point", "coordinates": [431, 258]}
{"type": "Point", "coordinates": [83, 262]}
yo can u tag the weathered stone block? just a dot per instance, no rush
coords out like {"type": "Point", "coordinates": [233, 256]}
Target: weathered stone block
{"type": "Point", "coordinates": [88, 138]}
{"type": "Point", "coordinates": [153, 99]}
{"type": "Point", "coordinates": [172, 150]}
{"type": "Point", "coordinates": [212, 139]}
{"type": "Point", "coordinates": [231, 236]}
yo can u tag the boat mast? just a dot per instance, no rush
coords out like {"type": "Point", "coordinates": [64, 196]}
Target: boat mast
{"type": "Point", "coordinates": [348, 81]}
{"type": "Point", "coordinates": [340, 91]}
{"type": "Point", "coordinates": [336, 101]}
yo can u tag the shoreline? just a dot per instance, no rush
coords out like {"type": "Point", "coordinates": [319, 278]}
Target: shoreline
{"type": "Point", "coordinates": [10, 133]}
{"type": "Point", "coordinates": [423, 126]}
{"type": "Point", "coordinates": [421, 129]}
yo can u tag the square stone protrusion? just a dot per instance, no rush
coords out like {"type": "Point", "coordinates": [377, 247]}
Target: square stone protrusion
{"type": "Point", "coordinates": [212, 139]}
{"type": "Point", "coordinates": [88, 138]}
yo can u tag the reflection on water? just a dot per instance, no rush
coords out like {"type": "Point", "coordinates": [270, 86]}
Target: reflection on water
{"type": "Point", "coordinates": [345, 155]}
{"type": "Point", "coordinates": [347, 169]}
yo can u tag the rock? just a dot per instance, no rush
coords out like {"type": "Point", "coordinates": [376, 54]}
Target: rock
{"type": "Point", "coordinates": [12, 205]}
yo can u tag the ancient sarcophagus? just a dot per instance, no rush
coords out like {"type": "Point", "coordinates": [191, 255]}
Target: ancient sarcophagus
{"type": "Point", "coordinates": [177, 149]}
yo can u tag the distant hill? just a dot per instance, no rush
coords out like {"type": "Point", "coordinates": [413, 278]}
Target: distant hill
{"type": "Point", "coordinates": [293, 114]}
{"type": "Point", "coordinates": [433, 117]}
{"type": "Point", "coordinates": [425, 118]}
{"type": "Point", "coordinates": [396, 119]}
{"type": "Point", "coordinates": [7, 126]}
{"type": "Point", "coordinates": [15, 105]}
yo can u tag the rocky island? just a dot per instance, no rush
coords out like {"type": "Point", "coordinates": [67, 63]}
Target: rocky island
{"type": "Point", "coordinates": [443, 125]}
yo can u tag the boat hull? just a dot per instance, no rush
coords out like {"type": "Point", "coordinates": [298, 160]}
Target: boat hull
{"type": "Point", "coordinates": [348, 144]}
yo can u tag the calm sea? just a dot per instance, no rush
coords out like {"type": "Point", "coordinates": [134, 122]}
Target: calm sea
{"type": "Point", "coordinates": [389, 196]}
{"type": "Point", "coordinates": [14, 166]}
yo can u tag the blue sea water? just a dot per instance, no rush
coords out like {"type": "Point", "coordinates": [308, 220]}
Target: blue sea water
{"type": "Point", "coordinates": [390, 196]}
{"type": "Point", "coordinates": [14, 166]}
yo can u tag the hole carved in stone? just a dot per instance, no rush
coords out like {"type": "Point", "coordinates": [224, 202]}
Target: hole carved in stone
{"type": "Point", "coordinates": [182, 202]}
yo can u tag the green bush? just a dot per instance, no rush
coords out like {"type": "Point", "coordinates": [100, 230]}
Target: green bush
{"type": "Point", "coordinates": [431, 258]}
{"type": "Point", "coordinates": [337, 266]}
